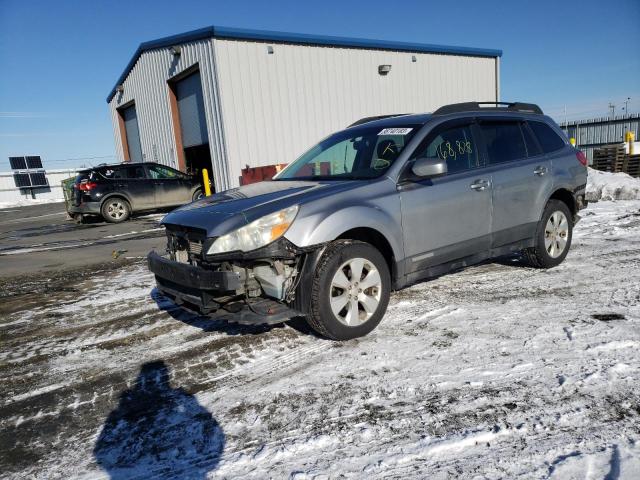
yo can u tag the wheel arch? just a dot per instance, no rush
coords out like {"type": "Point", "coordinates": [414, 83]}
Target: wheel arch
{"type": "Point", "coordinates": [117, 195]}
{"type": "Point", "coordinates": [566, 196]}
{"type": "Point", "coordinates": [376, 239]}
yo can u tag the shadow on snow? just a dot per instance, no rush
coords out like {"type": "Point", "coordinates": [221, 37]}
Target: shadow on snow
{"type": "Point", "coordinates": [158, 431]}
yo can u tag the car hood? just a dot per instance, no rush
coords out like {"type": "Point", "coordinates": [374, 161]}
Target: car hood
{"type": "Point", "coordinates": [225, 211]}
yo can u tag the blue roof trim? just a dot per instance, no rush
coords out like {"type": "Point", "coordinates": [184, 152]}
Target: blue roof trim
{"type": "Point", "coordinates": [297, 38]}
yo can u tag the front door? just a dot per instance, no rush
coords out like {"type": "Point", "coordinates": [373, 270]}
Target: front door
{"type": "Point", "coordinates": [447, 218]}
{"type": "Point", "coordinates": [171, 186]}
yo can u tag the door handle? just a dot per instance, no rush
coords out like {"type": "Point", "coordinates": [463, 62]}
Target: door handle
{"type": "Point", "coordinates": [480, 185]}
{"type": "Point", "coordinates": [540, 170]}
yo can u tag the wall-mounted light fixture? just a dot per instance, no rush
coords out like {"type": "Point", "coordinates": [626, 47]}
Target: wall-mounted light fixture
{"type": "Point", "coordinates": [176, 50]}
{"type": "Point", "coordinates": [414, 59]}
{"type": "Point", "coordinates": [120, 88]}
{"type": "Point", "coordinates": [269, 49]}
{"type": "Point", "coordinates": [384, 69]}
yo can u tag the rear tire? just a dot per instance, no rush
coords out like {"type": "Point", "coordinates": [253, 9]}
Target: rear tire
{"type": "Point", "coordinates": [350, 290]}
{"type": "Point", "coordinates": [115, 210]}
{"type": "Point", "coordinates": [553, 236]}
{"type": "Point", "coordinates": [197, 195]}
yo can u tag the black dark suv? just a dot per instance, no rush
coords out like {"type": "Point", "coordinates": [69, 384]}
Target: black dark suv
{"type": "Point", "coordinates": [115, 191]}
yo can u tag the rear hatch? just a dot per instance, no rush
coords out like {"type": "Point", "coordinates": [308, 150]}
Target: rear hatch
{"type": "Point", "coordinates": [82, 179]}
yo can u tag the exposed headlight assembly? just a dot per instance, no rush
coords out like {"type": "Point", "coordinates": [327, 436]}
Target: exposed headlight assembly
{"type": "Point", "coordinates": [257, 234]}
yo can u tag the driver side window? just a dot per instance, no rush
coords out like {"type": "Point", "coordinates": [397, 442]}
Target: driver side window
{"type": "Point", "coordinates": [455, 145]}
{"type": "Point", "coordinates": [158, 172]}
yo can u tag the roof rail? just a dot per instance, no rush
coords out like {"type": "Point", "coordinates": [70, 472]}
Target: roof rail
{"type": "Point", "coordinates": [476, 106]}
{"type": "Point", "coordinates": [373, 119]}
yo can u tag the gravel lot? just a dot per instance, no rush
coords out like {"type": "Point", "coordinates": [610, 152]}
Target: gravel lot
{"type": "Point", "coordinates": [497, 371]}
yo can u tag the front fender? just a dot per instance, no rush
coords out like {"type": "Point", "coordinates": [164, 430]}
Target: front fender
{"type": "Point", "coordinates": [317, 229]}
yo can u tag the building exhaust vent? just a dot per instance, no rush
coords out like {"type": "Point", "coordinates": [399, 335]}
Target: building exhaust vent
{"type": "Point", "coordinates": [270, 50]}
{"type": "Point", "coordinates": [175, 50]}
{"type": "Point", "coordinates": [120, 88]}
{"type": "Point", "coordinates": [384, 69]}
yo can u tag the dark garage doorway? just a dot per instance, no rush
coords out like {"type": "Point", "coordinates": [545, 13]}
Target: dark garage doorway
{"type": "Point", "coordinates": [193, 138]}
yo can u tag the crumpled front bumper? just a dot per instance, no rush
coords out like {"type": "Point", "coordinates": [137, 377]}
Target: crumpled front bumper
{"type": "Point", "coordinates": [195, 288]}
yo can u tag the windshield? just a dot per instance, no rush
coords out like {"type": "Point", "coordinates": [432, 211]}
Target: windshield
{"type": "Point", "coordinates": [359, 153]}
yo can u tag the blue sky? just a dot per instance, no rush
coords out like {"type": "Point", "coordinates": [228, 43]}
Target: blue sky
{"type": "Point", "coordinates": [59, 59]}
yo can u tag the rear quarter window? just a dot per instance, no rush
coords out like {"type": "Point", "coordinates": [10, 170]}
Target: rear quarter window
{"type": "Point", "coordinates": [549, 140]}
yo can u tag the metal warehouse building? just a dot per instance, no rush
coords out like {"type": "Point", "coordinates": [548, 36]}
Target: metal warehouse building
{"type": "Point", "coordinates": [224, 98]}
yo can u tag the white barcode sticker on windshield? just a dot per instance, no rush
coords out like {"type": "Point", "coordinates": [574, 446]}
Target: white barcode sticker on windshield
{"type": "Point", "coordinates": [395, 131]}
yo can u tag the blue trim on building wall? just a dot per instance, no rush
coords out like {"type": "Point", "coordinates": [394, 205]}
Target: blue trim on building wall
{"type": "Point", "coordinates": [300, 39]}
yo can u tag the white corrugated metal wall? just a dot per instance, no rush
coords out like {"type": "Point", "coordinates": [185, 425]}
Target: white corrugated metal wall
{"type": "Point", "coordinates": [263, 109]}
{"type": "Point", "coordinates": [147, 86]}
{"type": "Point", "coordinates": [275, 106]}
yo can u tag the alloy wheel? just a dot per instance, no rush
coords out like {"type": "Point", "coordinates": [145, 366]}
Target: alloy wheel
{"type": "Point", "coordinates": [355, 292]}
{"type": "Point", "coordinates": [556, 234]}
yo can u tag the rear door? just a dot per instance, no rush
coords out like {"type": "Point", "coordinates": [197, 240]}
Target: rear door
{"type": "Point", "coordinates": [132, 182]}
{"type": "Point", "coordinates": [171, 186]}
{"type": "Point", "coordinates": [521, 179]}
{"type": "Point", "coordinates": [447, 218]}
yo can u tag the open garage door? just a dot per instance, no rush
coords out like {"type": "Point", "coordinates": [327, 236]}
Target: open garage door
{"type": "Point", "coordinates": [193, 124]}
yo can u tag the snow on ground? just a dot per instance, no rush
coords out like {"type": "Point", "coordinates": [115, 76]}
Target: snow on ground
{"type": "Point", "coordinates": [497, 371]}
{"type": "Point", "coordinates": [29, 201]}
{"type": "Point", "coordinates": [611, 186]}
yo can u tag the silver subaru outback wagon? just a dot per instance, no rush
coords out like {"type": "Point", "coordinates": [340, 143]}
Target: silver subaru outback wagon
{"type": "Point", "coordinates": [376, 207]}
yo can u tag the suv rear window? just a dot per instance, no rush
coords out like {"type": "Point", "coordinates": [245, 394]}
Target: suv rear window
{"type": "Point", "coordinates": [548, 138]}
{"type": "Point", "coordinates": [504, 141]}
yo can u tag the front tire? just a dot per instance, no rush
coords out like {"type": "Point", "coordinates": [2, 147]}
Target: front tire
{"type": "Point", "coordinates": [553, 236]}
{"type": "Point", "coordinates": [350, 290]}
{"type": "Point", "coordinates": [115, 210]}
{"type": "Point", "coordinates": [197, 195]}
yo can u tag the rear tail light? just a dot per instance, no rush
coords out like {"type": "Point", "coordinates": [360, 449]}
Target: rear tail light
{"type": "Point", "coordinates": [582, 158]}
{"type": "Point", "coordinates": [86, 186]}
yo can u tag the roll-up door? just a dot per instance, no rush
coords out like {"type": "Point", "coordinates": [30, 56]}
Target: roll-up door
{"type": "Point", "coordinates": [191, 111]}
{"type": "Point", "coordinates": [130, 120]}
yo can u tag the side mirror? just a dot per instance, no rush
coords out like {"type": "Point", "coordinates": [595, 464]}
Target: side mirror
{"type": "Point", "coordinates": [429, 167]}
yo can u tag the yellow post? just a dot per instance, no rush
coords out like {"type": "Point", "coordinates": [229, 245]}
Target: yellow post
{"type": "Point", "coordinates": [205, 182]}
{"type": "Point", "coordinates": [572, 141]}
{"type": "Point", "coordinates": [629, 137]}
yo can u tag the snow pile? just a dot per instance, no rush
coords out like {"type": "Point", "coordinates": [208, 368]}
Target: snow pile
{"type": "Point", "coordinates": [612, 186]}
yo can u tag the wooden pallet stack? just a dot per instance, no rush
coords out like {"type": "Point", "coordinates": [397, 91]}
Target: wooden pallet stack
{"type": "Point", "coordinates": [633, 165]}
{"type": "Point", "coordinates": [612, 158]}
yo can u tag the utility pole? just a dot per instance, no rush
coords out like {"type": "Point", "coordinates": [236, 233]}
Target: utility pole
{"type": "Point", "coordinates": [612, 107]}
{"type": "Point", "coordinates": [626, 105]}
{"type": "Point", "coordinates": [565, 116]}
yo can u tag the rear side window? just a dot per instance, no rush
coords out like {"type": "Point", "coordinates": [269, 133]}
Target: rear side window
{"type": "Point", "coordinates": [130, 172]}
{"type": "Point", "coordinates": [504, 141]}
{"type": "Point", "coordinates": [453, 144]}
{"type": "Point", "coordinates": [548, 138]}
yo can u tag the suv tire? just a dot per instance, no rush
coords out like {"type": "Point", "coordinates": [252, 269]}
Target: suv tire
{"type": "Point", "coordinates": [336, 292]}
{"type": "Point", "coordinates": [553, 236]}
{"type": "Point", "coordinates": [115, 210]}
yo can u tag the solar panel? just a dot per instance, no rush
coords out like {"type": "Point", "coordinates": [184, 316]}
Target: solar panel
{"type": "Point", "coordinates": [22, 180]}
{"type": "Point", "coordinates": [18, 163]}
{"type": "Point", "coordinates": [34, 161]}
{"type": "Point", "coordinates": [38, 179]}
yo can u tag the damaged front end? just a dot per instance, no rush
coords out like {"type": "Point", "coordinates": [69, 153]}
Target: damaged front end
{"type": "Point", "coordinates": [257, 287]}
